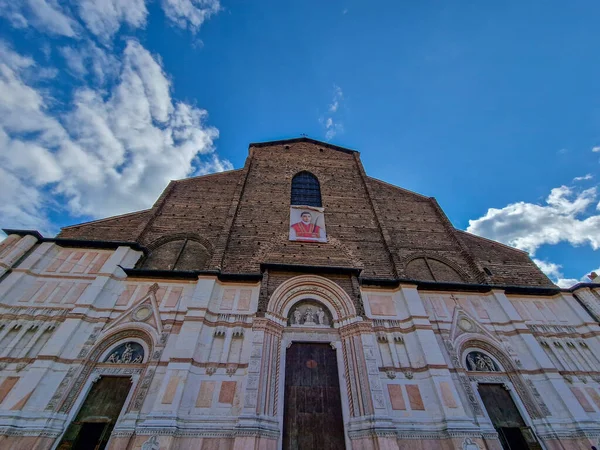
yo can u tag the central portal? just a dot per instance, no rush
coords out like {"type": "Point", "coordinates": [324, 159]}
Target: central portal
{"type": "Point", "coordinates": [312, 415]}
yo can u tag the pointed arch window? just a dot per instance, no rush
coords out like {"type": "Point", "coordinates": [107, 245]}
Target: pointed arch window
{"type": "Point", "coordinates": [306, 190]}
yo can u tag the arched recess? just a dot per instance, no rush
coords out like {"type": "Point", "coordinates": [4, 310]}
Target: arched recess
{"type": "Point", "coordinates": [181, 251]}
{"type": "Point", "coordinates": [304, 287]}
{"type": "Point", "coordinates": [306, 190]}
{"type": "Point", "coordinates": [434, 268]}
{"type": "Point", "coordinates": [109, 342]}
{"type": "Point", "coordinates": [532, 402]}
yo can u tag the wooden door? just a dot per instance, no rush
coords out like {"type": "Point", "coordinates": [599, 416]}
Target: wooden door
{"type": "Point", "coordinates": [513, 432]}
{"type": "Point", "coordinates": [312, 417]}
{"type": "Point", "coordinates": [96, 419]}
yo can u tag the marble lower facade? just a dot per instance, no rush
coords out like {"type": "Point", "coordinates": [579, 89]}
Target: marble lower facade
{"type": "Point", "coordinates": [201, 362]}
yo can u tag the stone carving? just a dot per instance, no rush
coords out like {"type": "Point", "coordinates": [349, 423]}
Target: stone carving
{"type": "Point", "coordinates": [320, 316]}
{"type": "Point", "coordinates": [128, 353]}
{"type": "Point", "coordinates": [151, 444]}
{"type": "Point", "coordinates": [297, 317]}
{"type": "Point", "coordinates": [479, 362]}
{"type": "Point", "coordinates": [143, 390]}
{"type": "Point", "coordinates": [308, 317]}
{"type": "Point", "coordinates": [309, 313]}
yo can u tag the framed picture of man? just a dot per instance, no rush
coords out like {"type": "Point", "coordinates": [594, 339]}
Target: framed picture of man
{"type": "Point", "coordinates": [307, 223]}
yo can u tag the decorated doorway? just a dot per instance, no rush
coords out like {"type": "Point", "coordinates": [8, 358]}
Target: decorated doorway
{"type": "Point", "coordinates": [92, 427]}
{"type": "Point", "coordinates": [505, 416]}
{"type": "Point", "coordinates": [312, 404]}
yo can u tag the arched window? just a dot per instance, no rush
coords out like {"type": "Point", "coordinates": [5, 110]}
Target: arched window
{"type": "Point", "coordinates": [306, 190]}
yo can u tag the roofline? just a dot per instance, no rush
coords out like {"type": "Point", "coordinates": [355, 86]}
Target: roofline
{"type": "Point", "coordinates": [408, 191]}
{"type": "Point", "coordinates": [105, 219]}
{"type": "Point", "coordinates": [206, 175]}
{"type": "Point", "coordinates": [23, 233]}
{"type": "Point", "coordinates": [304, 139]}
{"type": "Point", "coordinates": [83, 243]}
{"type": "Point", "coordinates": [495, 242]}
{"type": "Point", "coordinates": [191, 274]}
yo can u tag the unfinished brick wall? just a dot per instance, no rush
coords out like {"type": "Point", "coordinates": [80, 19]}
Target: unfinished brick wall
{"type": "Point", "coordinates": [240, 219]}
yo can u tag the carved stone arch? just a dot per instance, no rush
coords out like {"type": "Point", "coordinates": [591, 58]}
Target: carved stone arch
{"type": "Point", "coordinates": [181, 251]}
{"type": "Point", "coordinates": [429, 262]}
{"type": "Point", "coordinates": [532, 402]}
{"type": "Point", "coordinates": [303, 287]}
{"type": "Point", "coordinates": [120, 336]}
{"type": "Point", "coordinates": [109, 340]}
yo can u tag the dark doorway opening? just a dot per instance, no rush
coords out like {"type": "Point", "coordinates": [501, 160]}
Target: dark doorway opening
{"type": "Point", "coordinates": [312, 417]}
{"type": "Point", "coordinates": [96, 419]}
{"type": "Point", "coordinates": [513, 432]}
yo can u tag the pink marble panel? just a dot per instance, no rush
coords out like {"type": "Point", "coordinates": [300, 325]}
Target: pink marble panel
{"type": "Point", "coordinates": [593, 393]}
{"type": "Point", "coordinates": [245, 298]}
{"type": "Point", "coordinates": [76, 292]}
{"type": "Point", "coordinates": [170, 390]}
{"type": "Point", "coordinates": [29, 293]}
{"type": "Point", "coordinates": [46, 291]}
{"type": "Point", "coordinates": [581, 398]}
{"type": "Point", "coordinates": [228, 298]}
{"type": "Point", "coordinates": [521, 309]}
{"type": "Point", "coordinates": [58, 260]}
{"type": "Point", "coordinates": [227, 392]}
{"type": "Point", "coordinates": [173, 297]}
{"type": "Point", "coordinates": [396, 397]}
{"type": "Point", "coordinates": [100, 260]}
{"type": "Point", "coordinates": [414, 397]}
{"type": "Point", "coordinates": [479, 308]}
{"type": "Point", "coordinates": [85, 262]}
{"type": "Point", "coordinates": [438, 307]}
{"type": "Point", "coordinates": [7, 384]}
{"type": "Point", "coordinates": [205, 395]}
{"type": "Point", "coordinates": [126, 295]}
{"type": "Point", "coordinates": [59, 295]}
{"type": "Point", "coordinates": [447, 395]}
{"type": "Point", "coordinates": [71, 262]}
{"type": "Point", "coordinates": [382, 305]}
{"type": "Point", "coordinates": [555, 307]}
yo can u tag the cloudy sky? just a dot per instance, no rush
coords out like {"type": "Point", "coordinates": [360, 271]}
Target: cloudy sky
{"type": "Point", "coordinates": [494, 108]}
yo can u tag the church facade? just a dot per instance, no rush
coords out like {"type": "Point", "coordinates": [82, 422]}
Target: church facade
{"type": "Point", "coordinates": [295, 303]}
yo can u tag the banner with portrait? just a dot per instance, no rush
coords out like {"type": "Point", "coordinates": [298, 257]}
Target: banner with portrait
{"type": "Point", "coordinates": [307, 224]}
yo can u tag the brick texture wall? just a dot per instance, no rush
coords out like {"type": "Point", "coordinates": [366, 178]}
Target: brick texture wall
{"type": "Point", "coordinates": [240, 219]}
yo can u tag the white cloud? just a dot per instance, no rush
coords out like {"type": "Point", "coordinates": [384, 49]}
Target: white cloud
{"type": "Point", "coordinates": [596, 149]}
{"type": "Point", "coordinates": [554, 272]}
{"type": "Point", "coordinates": [89, 59]}
{"type": "Point", "coordinates": [190, 13]}
{"type": "Point", "coordinates": [338, 95]}
{"type": "Point", "coordinates": [330, 122]}
{"type": "Point", "coordinates": [46, 15]}
{"type": "Point", "coordinates": [104, 17]}
{"type": "Point", "coordinates": [588, 176]}
{"type": "Point", "coordinates": [528, 226]}
{"type": "Point", "coordinates": [111, 151]}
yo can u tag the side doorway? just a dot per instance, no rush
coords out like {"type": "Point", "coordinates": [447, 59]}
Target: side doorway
{"type": "Point", "coordinates": [513, 432]}
{"type": "Point", "coordinates": [93, 425]}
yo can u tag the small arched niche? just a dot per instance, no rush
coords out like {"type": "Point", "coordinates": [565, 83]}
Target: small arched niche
{"type": "Point", "coordinates": [310, 313]}
{"type": "Point", "coordinates": [476, 361]}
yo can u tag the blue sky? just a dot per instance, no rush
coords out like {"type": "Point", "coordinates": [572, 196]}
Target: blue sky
{"type": "Point", "coordinates": [492, 108]}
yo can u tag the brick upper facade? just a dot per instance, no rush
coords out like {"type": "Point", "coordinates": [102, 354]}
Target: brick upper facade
{"type": "Point", "coordinates": [235, 221]}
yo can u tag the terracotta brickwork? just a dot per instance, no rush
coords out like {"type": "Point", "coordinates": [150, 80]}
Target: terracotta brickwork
{"type": "Point", "coordinates": [240, 219]}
